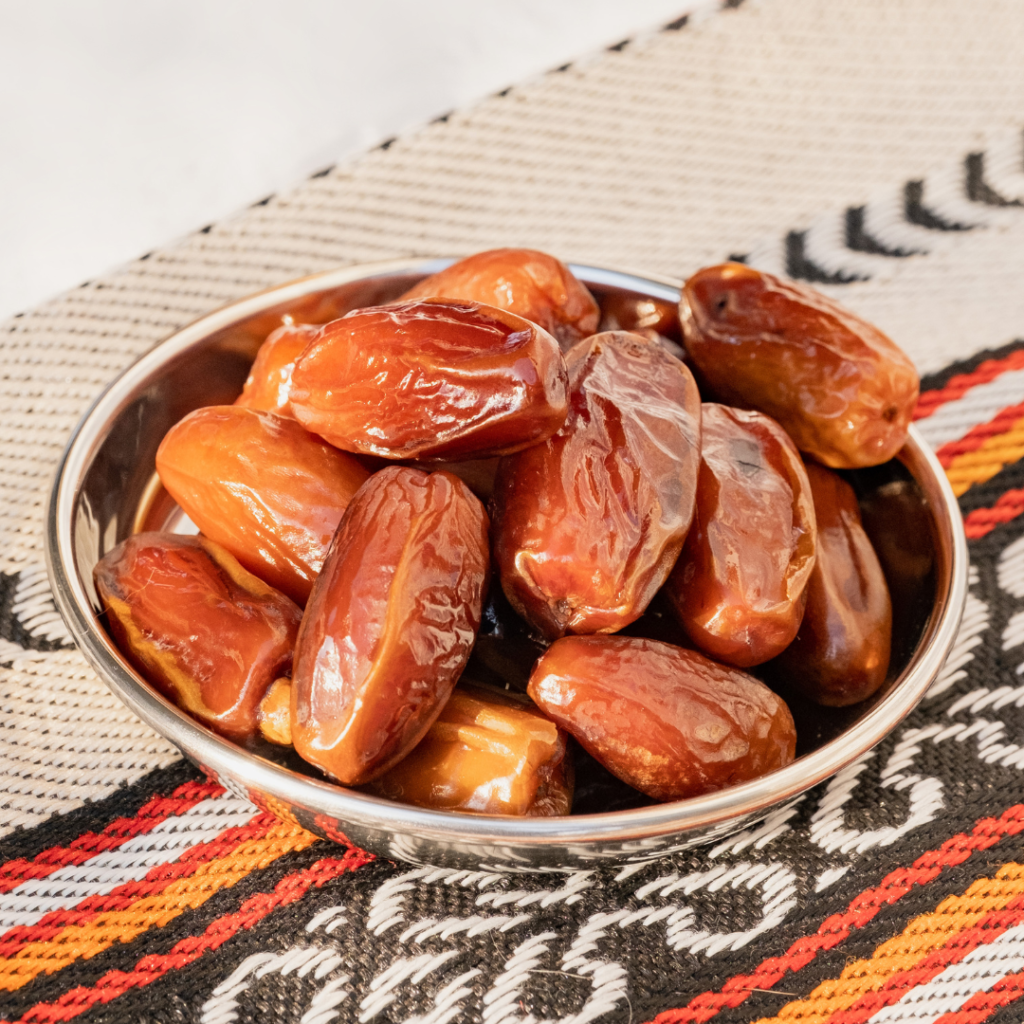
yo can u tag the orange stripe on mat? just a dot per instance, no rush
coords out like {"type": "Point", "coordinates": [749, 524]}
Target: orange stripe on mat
{"type": "Point", "coordinates": [253, 910]}
{"type": "Point", "coordinates": [91, 844]}
{"type": "Point", "coordinates": [957, 925]}
{"type": "Point", "coordinates": [123, 896]}
{"type": "Point", "coordinates": [975, 459]}
{"type": "Point", "coordinates": [837, 928]}
{"type": "Point", "coordinates": [79, 941]}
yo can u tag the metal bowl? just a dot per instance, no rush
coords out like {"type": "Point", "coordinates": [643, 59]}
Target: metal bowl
{"type": "Point", "coordinates": [104, 490]}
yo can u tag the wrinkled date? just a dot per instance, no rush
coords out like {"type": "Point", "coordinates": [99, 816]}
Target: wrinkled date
{"type": "Point", "coordinates": [488, 754]}
{"type": "Point", "coordinates": [270, 379]}
{"type": "Point", "coordinates": [263, 487]}
{"type": "Point", "coordinates": [431, 380]}
{"type": "Point", "coordinates": [842, 390]}
{"type": "Point", "coordinates": [738, 588]}
{"type": "Point", "coordinates": [668, 721]}
{"type": "Point", "coordinates": [841, 654]}
{"type": "Point", "coordinates": [205, 632]}
{"type": "Point", "coordinates": [602, 471]}
{"type": "Point", "coordinates": [588, 525]}
{"type": "Point", "coordinates": [528, 283]}
{"type": "Point", "coordinates": [390, 623]}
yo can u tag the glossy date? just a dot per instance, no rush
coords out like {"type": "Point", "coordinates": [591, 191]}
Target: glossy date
{"type": "Point", "coordinates": [390, 623]}
{"type": "Point", "coordinates": [270, 379]}
{"type": "Point", "coordinates": [588, 525]}
{"type": "Point", "coordinates": [739, 587]}
{"type": "Point", "coordinates": [668, 721]}
{"type": "Point", "coordinates": [841, 389]}
{"type": "Point", "coordinates": [205, 632]}
{"type": "Point", "coordinates": [531, 284]}
{"type": "Point", "coordinates": [431, 379]}
{"type": "Point", "coordinates": [486, 753]}
{"type": "Point", "coordinates": [841, 654]}
{"type": "Point", "coordinates": [654, 319]}
{"type": "Point", "coordinates": [591, 459]}
{"type": "Point", "coordinates": [263, 487]}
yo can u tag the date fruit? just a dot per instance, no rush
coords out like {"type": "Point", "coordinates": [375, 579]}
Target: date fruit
{"type": "Point", "coordinates": [431, 379]}
{"type": "Point", "coordinates": [654, 319]}
{"type": "Point", "coordinates": [588, 525]}
{"type": "Point", "coordinates": [205, 632]}
{"type": "Point", "coordinates": [841, 389]}
{"type": "Point", "coordinates": [841, 654]}
{"type": "Point", "coordinates": [739, 587]}
{"type": "Point", "coordinates": [528, 283]}
{"type": "Point", "coordinates": [263, 487]}
{"type": "Point", "coordinates": [668, 721]}
{"type": "Point", "coordinates": [274, 713]}
{"type": "Point", "coordinates": [390, 623]}
{"type": "Point", "coordinates": [270, 379]}
{"type": "Point", "coordinates": [486, 753]}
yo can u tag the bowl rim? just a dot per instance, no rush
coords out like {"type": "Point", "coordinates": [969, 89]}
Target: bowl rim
{"type": "Point", "coordinates": [223, 757]}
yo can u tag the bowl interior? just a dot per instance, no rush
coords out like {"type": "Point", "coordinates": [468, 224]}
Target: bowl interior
{"type": "Point", "coordinates": [107, 489]}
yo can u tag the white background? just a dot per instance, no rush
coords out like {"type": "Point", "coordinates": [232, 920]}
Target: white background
{"type": "Point", "coordinates": [127, 123]}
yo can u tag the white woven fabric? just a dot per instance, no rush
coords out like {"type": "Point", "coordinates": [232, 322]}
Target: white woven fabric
{"type": "Point", "coordinates": [679, 149]}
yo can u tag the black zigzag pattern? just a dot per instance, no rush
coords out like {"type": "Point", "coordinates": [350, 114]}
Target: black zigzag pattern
{"type": "Point", "coordinates": [917, 210]}
{"type": "Point", "coordinates": [11, 628]}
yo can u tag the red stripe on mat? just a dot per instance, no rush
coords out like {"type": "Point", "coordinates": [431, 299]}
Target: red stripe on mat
{"type": "Point", "coordinates": [897, 985]}
{"type": "Point", "coordinates": [983, 521]}
{"type": "Point", "coordinates": [115, 983]}
{"type": "Point", "coordinates": [959, 385]}
{"type": "Point", "coordinates": [982, 1005]}
{"type": "Point", "coordinates": [837, 928]}
{"type": "Point", "coordinates": [1001, 423]}
{"type": "Point", "coordinates": [123, 896]}
{"type": "Point", "coordinates": [90, 844]}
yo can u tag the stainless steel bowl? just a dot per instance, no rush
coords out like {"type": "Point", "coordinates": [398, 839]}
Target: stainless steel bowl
{"type": "Point", "coordinates": [104, 490]}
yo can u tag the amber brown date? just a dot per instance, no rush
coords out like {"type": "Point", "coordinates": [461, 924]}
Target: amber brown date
{"type": "Point", "coordinates": [205, 632]}
{"type": "Point", "coordinates": [270, 379]}
{"type": "Point", "coordinates": [622, 311]}
{"type": "Point", "coordinates": [488, 754]}
{"type": "Point", "coordinates": [900, 524]}
{"type": "Point", "coordinates": [531, 284]}
{"type": "Point", "coordinates": [668, 721]}
{"type": "Point", "coordinates": [842, 390]}
{"type": "Point", "coordinates": [274, 713]}
{"type": "Point", "coordinates": [433, 379]}
{"type": "Point", "coordinates": [588, 525]}
{"type": "Point", "coordinates": [841, 654]}
{"type": "Point", "coordinates": [390, 623]}
{"type": "Point", "coordinates": [738, 588]}
{"type": "Point", "coordinates": [263, 487]}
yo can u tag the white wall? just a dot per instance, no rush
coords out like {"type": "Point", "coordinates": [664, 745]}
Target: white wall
{"type": "Point", "coordinates": [126, 123]}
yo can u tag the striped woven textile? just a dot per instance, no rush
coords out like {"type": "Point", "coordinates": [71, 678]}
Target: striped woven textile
{"type": "Point", "coordinates": [875, 149]}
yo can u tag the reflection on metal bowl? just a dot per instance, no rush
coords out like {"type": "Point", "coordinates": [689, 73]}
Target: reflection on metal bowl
{"type": "Point", "coordinates": [106, 489]}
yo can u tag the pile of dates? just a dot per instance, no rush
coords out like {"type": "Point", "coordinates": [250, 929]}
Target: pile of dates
{"type": "Point", "coordinates": [493, 457]}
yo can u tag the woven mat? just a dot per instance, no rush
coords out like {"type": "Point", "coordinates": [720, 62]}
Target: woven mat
{"type": "Point", "coordinates": [876, 148]}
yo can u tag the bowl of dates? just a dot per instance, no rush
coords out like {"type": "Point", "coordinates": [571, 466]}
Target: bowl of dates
{"type": "Point", "coordinates": [504, 562]}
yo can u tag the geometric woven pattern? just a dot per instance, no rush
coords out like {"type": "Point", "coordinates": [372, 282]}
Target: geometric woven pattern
{"type": "Point", "coordinates": [874, 148]}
